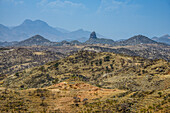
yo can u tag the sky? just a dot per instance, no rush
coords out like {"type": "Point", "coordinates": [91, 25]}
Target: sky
{"type": "Point", "coordinates": [115, 19]}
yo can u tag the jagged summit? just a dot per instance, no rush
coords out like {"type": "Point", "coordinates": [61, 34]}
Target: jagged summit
{"type": "Point", "coordinates": [93, 35]}
{"type": "Point", "coordinates": [94, 40]}
{"type": "Point", "coordinates": [35, 22]}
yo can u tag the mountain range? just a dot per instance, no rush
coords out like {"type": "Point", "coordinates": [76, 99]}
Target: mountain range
{"type": "Point", "coordinates": [41, 41]}
{"type": "Point", "coordinates": [163, 39]}
{"type": "Point", "coordinates": [30, 28]}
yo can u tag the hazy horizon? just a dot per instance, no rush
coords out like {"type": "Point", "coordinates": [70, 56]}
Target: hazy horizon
{"type": "Point", "coordinates": [115, 19]}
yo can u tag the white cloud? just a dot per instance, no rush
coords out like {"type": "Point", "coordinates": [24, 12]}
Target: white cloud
{"type": "Point", "coordinates": [112, 5]}
{"type": "Point", "coordinates": [60, 5]}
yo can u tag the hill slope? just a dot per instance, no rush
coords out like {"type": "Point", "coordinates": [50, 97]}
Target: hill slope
{"type": "Point", "coordinates": [149, 51]}
{"type": "Point", "coordinates": [139, 39]}
{"type": "Point", "coordinates": [18, 59]}
{"type": "Point", "coordinates": [96, 68]}
{"type": "Point", "coordinates": [35, 40]}
{"type": "Point", "coordinates": [87, 82]}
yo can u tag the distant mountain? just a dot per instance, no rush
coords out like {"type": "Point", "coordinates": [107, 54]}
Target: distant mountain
{"type": "Point", "coordinates": [4, 33]}
{"type": "Point", "coordinates": [4, 44]}
{"type": "Point", "coordinates": [80, 35]}
{"type": "Point", "coordinates": [30, 28]}
{"type": "Point", "coordinates": [163, 39]}
{"type": "Point", "coordinates": [35, 40]}
{"type": "Point", "coordinates": [138, 39]}
{"type": "Point", "coordinates": [94, 40]}
{"type": "Point", "coordinates": [62, 30]}
{"type": "Point", "coordinates": [39, 41]}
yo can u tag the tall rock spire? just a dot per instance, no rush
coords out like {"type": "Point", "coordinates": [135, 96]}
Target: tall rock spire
{"type": "Point", "coordinates": [93, 35]}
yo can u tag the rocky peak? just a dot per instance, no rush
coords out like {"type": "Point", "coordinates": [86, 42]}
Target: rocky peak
{"type": "Point", "coordinates": [93, 35]}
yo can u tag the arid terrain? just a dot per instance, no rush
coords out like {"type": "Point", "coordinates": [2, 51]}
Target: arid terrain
{"type": "Point", "coordinates": [84, 56]}
{"type": "Point", "coordinates": [69, 77]}
{"type": "Point", "coordinates": [86, 81]}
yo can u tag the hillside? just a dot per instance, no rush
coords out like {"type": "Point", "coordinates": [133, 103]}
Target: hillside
{"type": "Point", "coordinates": [107, 49]}
{"type": "Point", "coordinates": [93, 67]}
{"type": "Point", "coordinates": [66, 43]}
{"type": "Point", "coordinates": [138, 39]}
{"type": "Point", "coordinates": [149, 51]}
{"type": "Point", "coordinates": [14, 59]}
{"type": "Point", "coordinates": [17, 59]}
{"type": "Point", "coordinates": [90, 82]}
{"type": "Point", "coordinates": [78, 96]}
{"type": "Point", "coordinates": [62, 97]}
{"type": "Point", "coordinates": [35, 40]}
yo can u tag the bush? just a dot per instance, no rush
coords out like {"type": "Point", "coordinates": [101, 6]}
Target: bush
{"type": "Point", "coordinates": [56, 65]}
{"type": "Point", "coordinates": [17, 74]}
{"type": "Point", "coordinates": [160, 94]}
{"type": "Point", "coordinates": [107, 58]}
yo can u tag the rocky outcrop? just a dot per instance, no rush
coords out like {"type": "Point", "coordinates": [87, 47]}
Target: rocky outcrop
{"type": "Point", "coordinates": [93, 35]}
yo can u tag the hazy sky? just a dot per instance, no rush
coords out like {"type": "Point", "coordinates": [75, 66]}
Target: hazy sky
{"type": "Point", "coordinates": [115, 19]}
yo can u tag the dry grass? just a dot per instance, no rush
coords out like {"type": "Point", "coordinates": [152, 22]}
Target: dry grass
{"type": "Point", "coordinates": [64, 97]}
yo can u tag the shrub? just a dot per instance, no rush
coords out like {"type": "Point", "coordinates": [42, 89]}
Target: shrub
{"type": "Point", "coordinates": [107, 58]}
{"type": "Point", "coordinates": [56, 65]}
{"type": "Point", "coordinates": [17, 74]}
{"type": "Point", "coordinates": [160, 94]}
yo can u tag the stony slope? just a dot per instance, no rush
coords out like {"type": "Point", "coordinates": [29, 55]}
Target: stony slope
{"type": "Point", "coordinates": [17, 59]}
{"type": "Point", "coordinates": [90, 82]}
{"type": "Point", "coordinates": [63, 97]}
{"type": "Point", "coordinates": [107, 70]}
{"type": "Point", "coordinates": [149, 51]}
{"type": "Point", "coordinates": [76, 96]}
